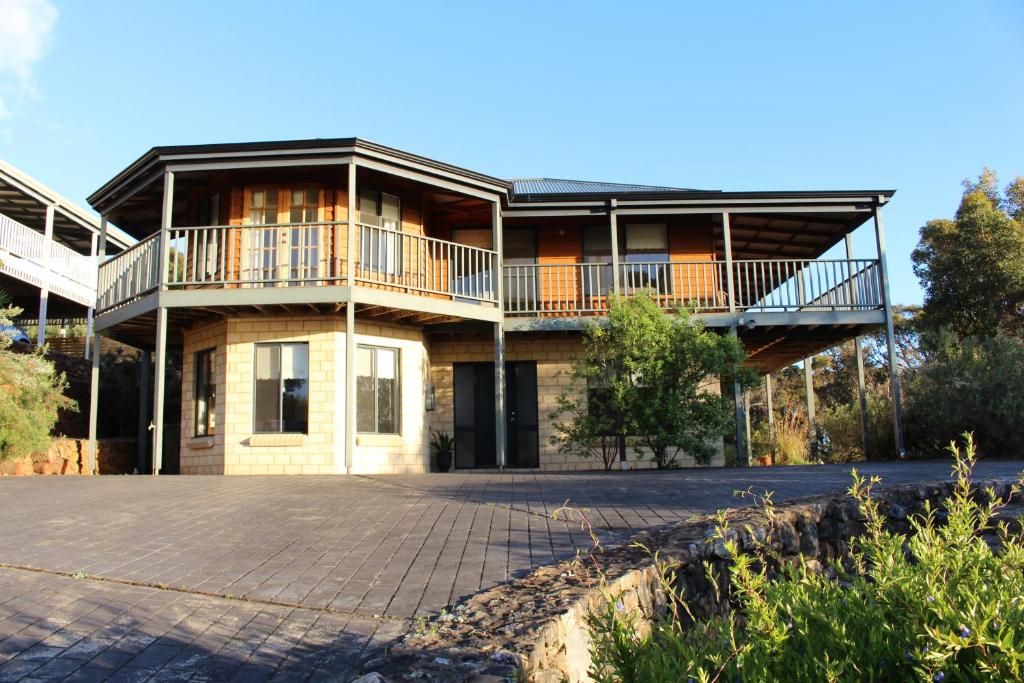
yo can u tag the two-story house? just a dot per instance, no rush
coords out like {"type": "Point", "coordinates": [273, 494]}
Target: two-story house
{"type": "Point", "coordinates": [336, 299]}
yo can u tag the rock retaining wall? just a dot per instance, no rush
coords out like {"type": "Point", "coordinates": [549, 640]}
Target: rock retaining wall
{"type": "Point", "coordinates": [535, 628]}
{"type": "Point", "coordinates": [69, 456]}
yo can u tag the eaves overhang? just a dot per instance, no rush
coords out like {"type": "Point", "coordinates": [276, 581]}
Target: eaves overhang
{"type": "Point", "coordinates": [147, 168]}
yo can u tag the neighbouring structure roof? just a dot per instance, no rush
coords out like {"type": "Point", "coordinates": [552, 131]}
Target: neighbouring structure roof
{"type": "Point", "coordinates": [524, 187]}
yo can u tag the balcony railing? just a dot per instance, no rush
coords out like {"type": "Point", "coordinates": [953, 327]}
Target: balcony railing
{"type": "Point", "coordinates": [300, 254]}
{"type": "Point", "coordinates": [68, 273]}
{"type": "Point", "coordinates": [759, 285]}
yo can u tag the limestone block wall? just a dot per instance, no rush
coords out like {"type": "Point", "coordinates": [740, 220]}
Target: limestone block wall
{"type": "Point", "coordinates": [408, 451]}
{"type": "Point", "coordinates": [235, 449]}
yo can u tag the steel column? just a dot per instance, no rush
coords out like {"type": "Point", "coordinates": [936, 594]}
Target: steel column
{"type": "Point", "coordinates": [350, 386]}
{"type": "Point", "coordinates": [613, 224]}
{"type": "Point", "coordinates": [811, 418]}
{"type": "Point", "coordinates": [44, 291]}
{"type": "Point", "coordinates": [350, 232]}
{"type": "Point", "coordinates": [740, 418]}
{"type": "Point", "coordinates": [746, 421]}
{"type": "Point", "coordinates": [771, 412]}
{"type": "Point", "coordinates": [143, 427]}
{"type": "Point", "coordinates": [500, 439]}
{"type": "Point", "coordinates": [90, 313]}
{"type": "Point", "coordinates": [730, 284]}
{"type": "Point", "coordinates": [858, 348]}
{"type": "Point", "coordinates": [890, 334]}
{"type": "Point", "coordinates": [94, 379]}
{"type": "Point", "coordinates": [160, 355]}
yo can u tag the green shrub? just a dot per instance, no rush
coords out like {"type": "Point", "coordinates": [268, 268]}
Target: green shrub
{"type": "Point", "coordinates": [842, 424]}
{"type": "Point", "coordinates": [939, 605]}
{"type": "Point", "coordinates": [975, 385]}
{"type": "Point", "coordinates": [31, 394]}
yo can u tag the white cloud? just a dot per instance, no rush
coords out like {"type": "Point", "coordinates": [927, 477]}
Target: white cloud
{"type": "Point", "coordinates": [25, 29]}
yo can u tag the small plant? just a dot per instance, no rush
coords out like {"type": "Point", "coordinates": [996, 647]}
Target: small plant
{"type": "Point", "coordinates": [79, 575]}
{"type": "Point", "coordinates": [443, 446]}
{"type": "Point", "coordinates": [939, 604]}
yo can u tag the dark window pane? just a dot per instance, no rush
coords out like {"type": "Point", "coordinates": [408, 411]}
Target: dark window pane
{"type": "Point", "coordinates": [295, 379]}
{"type": "Point", "coordinates": [205, 395]}
{"type": "Point", "coordinates": [267, 389]}
{"type": "Point", "coordinates": [366, 403]}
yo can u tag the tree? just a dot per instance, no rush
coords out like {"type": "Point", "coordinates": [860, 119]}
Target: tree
{"type": "Point", "coordinates": [31, 394]}
{"type": "Point", "coordinates": [972, 267]}
{"type": "Point", "coordinates": [647, 376]}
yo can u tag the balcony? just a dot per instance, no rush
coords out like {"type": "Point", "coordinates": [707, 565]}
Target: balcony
{"type": "Point", "coordinates": [232, 257]}
{"type": "Point", "coordinates": [766, 285]}
{"type": "Point", "coordinates": [23, 254]}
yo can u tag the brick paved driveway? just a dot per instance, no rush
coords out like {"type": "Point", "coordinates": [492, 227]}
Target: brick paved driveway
{"type": "Point", "coordinates": [217, 578]}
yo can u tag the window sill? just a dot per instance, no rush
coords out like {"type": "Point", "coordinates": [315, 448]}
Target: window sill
{"type": "Point", "coordinates": [277, 440]}
{"type": "Point", "coordinates": [378, 439]}
{"type": "Point", "coordinates": [197, 443]}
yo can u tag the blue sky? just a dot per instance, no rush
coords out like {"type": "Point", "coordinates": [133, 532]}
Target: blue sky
{"type": "Point", "coordinates": [912, 95]}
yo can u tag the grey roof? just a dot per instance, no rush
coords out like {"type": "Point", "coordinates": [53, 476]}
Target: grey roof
{"type": "Point", "coordinates": [557, 186]}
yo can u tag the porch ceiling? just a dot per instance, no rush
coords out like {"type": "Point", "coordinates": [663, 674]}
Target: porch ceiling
{"type": "Point", "coordinates": [772, 348]}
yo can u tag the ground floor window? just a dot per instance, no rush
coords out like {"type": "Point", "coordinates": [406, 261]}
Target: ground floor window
{"type": "Point", "coordinates": [281, 391]}
{"type": "Point", "coordinates": [205, 393]}
{"type": "Point", "coordinates": [377, 397]}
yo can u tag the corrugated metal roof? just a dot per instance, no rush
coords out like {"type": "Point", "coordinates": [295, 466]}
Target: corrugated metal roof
{"type": "Point", "coordinates": [536, 186]}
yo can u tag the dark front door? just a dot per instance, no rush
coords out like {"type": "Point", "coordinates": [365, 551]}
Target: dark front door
{"type": "Point", "coordinates": [475, 410]}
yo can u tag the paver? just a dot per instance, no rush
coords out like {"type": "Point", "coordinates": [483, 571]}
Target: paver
{"type": "Point", "coordinates": [300, 578]}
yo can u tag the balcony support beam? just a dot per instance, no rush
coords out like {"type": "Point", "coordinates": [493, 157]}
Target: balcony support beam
{"type": "Point", "coordinates": [500, 410]}
{"type": "Point", "coordinates": [890, 334]}
{"type": "Point", "coordinates": [730, 284]}
{"type": "Point", "coordinates": [811, 417]}
{"type": "Point", "coordinates": [91, 311]}
{"type": "Point", "coordinates": [613, 224]}
{"type": "Point", "coordinates": [770, 409]}
{"type": "Point", "coordinates": [350, 386]}
{"type": "Point", "coordinates": [858, 351]}
{"type": "Point", "coordinates": [143, 426]}
{"type": "Point", "coordinates": [44, 291]}
{"type": "Point", "coordinates": [94, 378]}
{"type": "Point", "coordinates": [160, 355]}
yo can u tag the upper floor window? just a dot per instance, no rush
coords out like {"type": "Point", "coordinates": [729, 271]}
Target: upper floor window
{"type": "Point", "coordinates": [304, 206]}
{"type": "Point", "coordinates": [646, 258]}
{"type": "Point", "coordinates": [205, 391]}
{"type": "Point", "coordinates": [380, 245]}
{"type": "Point", "coordinates": [281, 388]}
{"type": "Point", "coordinates": [263, 207]}
{"type": "Point", "coordinates": [380, 209]}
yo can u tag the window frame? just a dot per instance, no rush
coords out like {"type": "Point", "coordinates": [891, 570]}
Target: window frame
{"type": "Point", "coordinates": [209, 396]}
{"type": "Point", "coordinates": [376, 399]}
{"type": "Point", "coordinates": [280, 387]}
{"type": "Point", "coordinates": [392, 244]}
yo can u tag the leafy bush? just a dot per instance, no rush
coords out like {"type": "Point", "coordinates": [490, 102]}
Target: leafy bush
{"type": "Point", "coordinates": [939, 605]}
{"type": "Point", "coordinates": [31, 394]}
{"type": "Point", "coordinates": [842, 424]}
{"type": "Point", "coordinates": [974, 385]}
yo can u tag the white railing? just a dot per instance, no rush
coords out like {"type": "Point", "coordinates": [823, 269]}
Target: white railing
{"type": "Point", "coordinates": [393, 259]}
{"type": "Point", "coordinates": [698, 285]}
{"type": "Point", "coordinates": [273, 255]}
{"type": "Point", "coordinates": [822, 284]}
{"type": "Point", "coordinates": [555, 288]}
{"type": "Point", "coordinates": [66, 272]}
{"type": "Point", "coordinates": [759, 285]}
{"type": "Point", "coordinates": [129, 275]}
{"type": "Point", "coordinates": [300, 254]}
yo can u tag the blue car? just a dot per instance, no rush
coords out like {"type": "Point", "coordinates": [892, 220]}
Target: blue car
{"type": "Point", "coordinates": [14, 333]}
